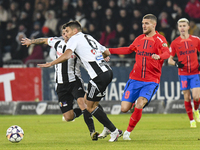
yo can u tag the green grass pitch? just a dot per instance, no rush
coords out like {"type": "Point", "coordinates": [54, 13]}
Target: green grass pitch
{"type": "Point", "coordinates": [153, 132]}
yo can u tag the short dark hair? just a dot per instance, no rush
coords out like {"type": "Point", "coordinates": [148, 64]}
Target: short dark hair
{"type": "Point", "coordinates": [72, 25]}
{"type": "Point", "coordinates": [150, 16]}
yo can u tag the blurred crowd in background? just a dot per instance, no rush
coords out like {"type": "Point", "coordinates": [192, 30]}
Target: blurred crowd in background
{"type": "Point", "coordinates": [114, 23]}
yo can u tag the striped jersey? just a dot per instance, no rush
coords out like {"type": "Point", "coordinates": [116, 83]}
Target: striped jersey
{"type": "Point", "coordinates": [146, 68]}
{"type": "Point", "coordinates": [66, 71]}
{"type": "Point", "coordinates": [90, 53]}
{"type": "Point", "coordinates": [186, 51]}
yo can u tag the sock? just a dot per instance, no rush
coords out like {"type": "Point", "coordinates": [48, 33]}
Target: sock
{"type": "Point", "coordinates": [102, 110]}
{"type": "Point", "coordinates": [192, 121]}
{"type": "Point", "coordinates": [88, 120]}
{"type": "Point", "coordinates": [77, 112]}
{"type": "Point", "coordinates": [188, 108]}
{"type": "Point", "coordinates": [135, 118]}
{"type": "Point", "coordinates": [102, 118]}
{"type": "Point", "coordinates": [196, 104]}
{"type": "Point", "coordinates": [100, 107]}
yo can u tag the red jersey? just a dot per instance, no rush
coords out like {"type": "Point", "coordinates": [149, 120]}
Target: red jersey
{"type": "Point", "coordinates": [186, 51]}
{"type": "Point", "coordinates": [146, 68]}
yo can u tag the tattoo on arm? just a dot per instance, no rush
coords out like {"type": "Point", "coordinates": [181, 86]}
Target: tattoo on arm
{"type": "Point", "coordinates": [38, 41]}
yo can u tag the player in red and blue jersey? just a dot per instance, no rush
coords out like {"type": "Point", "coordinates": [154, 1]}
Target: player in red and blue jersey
{"type": "Point", "coordinates": [185, 47]}
{"type": "Point", "coordinates": [151, 49]}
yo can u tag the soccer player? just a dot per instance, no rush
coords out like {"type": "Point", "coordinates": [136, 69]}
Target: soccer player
{"type": "Point", "coordinates": [69, 85]}
{"type": "Point", "coordinates": [185, 47]}
{"type": "Point", "coordinates": [151, 49]}
{"type": "Point", "coordinates": [92, 55]}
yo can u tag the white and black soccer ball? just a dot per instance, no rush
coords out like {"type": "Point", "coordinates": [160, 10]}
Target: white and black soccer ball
{"type": "Point", "coordinates": [15, 134]}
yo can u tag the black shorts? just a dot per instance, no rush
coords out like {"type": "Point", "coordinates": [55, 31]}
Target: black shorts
{"type": "Point", "coordinates": [69, 91]}
{"type": "Point", "coordinates": [97, 86]}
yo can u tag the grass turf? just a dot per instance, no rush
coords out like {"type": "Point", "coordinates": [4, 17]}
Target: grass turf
{"type": "Point", "coordinates": [153, 132]}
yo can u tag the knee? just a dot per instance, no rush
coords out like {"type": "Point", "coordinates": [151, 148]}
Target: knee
{"type": "Point", "coordinates": [140, 106]}
{"type": "Point", "coordinates": [81, 103]}
{"type": "Point", "coordinates": [196, 98]}
{"type": "Point", "coordinates": [124, 109]}
{"type": "Point", "coordinates": [141, 103]}
{"type": "Point", "coordinates": [68, 118]}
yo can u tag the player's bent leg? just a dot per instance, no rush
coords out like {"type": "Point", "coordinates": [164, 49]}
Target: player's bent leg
{"type": "Point", "coordinates": [141, 102]}
{"type": "Point", "coordinates": [101, 116]}
{"type": "Point", "coordinates": [69, 115]}
{"type": "Point", "coordinates": [90, 107]}
{"type": "Point", "coordinates": [125, 106]}
{"type": "Point", "coordinates": [196, 93]}
{"type": "Point", "coordinates": [81, 103]}
{"type": "Point", "coordinates": [188, 106]}
{"type": "Point", "coordinates": [135, 117]}
{"type": "Point", "coordinates": [105, 131]}
{"type": "Point", "coordinates": [87, 118]}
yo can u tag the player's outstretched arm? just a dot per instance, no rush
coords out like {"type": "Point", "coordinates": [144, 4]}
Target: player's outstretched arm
{"type": "Point", "coordinates": [64, 57]}
{"type": "Point", "coordinates": [28, 42]}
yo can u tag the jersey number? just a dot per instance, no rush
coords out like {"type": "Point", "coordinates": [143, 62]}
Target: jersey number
{"type": "Point", "coordinates": [92, 44]}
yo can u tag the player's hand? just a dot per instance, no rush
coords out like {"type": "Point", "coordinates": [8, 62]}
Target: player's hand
{"type": "Point", "coordinates": [107, 58]}
{"type": "Point", "coordinates": [178, 64]}
{"type": "Point", "coordinates": [155, 56]}
{"type": "Point", "coordinates": [48, 64]}
{"type": "Point", "coordinates": [26, 41]}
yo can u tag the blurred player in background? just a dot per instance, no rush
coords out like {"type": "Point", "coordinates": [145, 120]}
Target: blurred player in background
{"type": "Point", "coordinates": [185, 47]}
{"type": "Point", "coordinates": [69, 83]}
{"type": "Point", "coordinates": [92, 56]}
{"type": "Point", "coordinates": [151, 49]}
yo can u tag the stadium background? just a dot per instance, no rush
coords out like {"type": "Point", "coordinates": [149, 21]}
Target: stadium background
{"type": "Point", "coordinates": [114, 23]}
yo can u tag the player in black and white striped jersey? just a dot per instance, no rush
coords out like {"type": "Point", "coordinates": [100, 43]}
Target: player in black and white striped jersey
{"type": "Point", "coordinates": [91, 54]}
{"type": "Point", "coordinates": [69, 85]}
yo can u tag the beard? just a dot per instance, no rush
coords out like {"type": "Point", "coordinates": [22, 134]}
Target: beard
{"type": "Point", "coordinates": [147, 32]}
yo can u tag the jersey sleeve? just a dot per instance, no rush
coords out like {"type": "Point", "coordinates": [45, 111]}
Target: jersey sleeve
{"type": "Point", "coordinates": [124, 50]}
{"type": "Point", "coordinates": [163, 49]}
{"type": "Point", "coordinates": [72, 44]}
{"type": "Point", "coordinates": [102, 48]}
{"type": "Point", "coordinates": [133, 45]}
{"type": "Point", "coordinates": [52, 41]}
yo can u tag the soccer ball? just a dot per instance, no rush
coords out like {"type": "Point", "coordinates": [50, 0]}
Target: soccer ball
{"type": "Point", "coordinates": [15, 134]}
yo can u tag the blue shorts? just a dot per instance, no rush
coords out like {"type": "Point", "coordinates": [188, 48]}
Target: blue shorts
{"type": "Point", "coordinates": [135, 89]}
{"type": "Point", "coordinates": [189, 81]}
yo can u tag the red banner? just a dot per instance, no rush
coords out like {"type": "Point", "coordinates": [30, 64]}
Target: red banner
{"type": "Point", "coordinates": [20, 84]}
